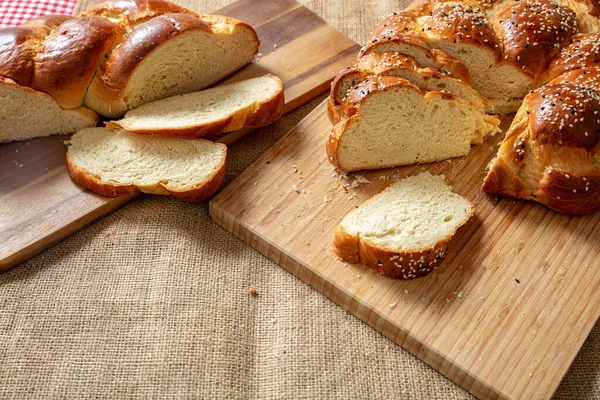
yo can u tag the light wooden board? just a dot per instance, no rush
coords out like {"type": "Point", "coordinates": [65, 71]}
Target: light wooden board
{"type": "Point", "coordinates": [40, 205]}
{"type": "Point", "coordinates": [503, 316]}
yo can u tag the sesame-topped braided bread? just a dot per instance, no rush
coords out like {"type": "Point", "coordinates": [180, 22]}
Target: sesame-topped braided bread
{"type": "Point", "coordinates": [57, 72]}
{"type": "Point", "coordinates": [551, 153]}
{"type": "Point", "coordinates": [535, 56]}
{"type": "Point", "coordinates": [506, 45]}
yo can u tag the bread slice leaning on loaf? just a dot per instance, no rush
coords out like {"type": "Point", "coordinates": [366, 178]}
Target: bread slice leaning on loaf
{"type": "Point", "coordinates": [403, 232]}
{"type": "Point", "coordinates": [253, 102]}
{"type": "Point", "coordinates": [388, 121]}
{"type": "Point", "coordinates": [118, 163]}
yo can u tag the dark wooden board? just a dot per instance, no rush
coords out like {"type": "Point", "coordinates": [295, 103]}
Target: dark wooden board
{"type": "Point", "coordinates": [40, 205]}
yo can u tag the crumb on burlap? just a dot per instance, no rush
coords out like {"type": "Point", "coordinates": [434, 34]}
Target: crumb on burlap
{"type": "Point", "coordinates": [253, 292]}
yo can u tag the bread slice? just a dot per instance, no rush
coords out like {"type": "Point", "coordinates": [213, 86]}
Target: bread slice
{"type": "Point", "coordinates": [27, 114]}
{"type": "Point", "coordinates": [254, 102]}
{"type": "Point", "coordinates": [388, 121]}
{"type": "Point", "coordinates": [168, 55]}
{"type": "Point", "coordinates": [118, 163]}
{"type": "Point", "coordinates": [404, 231]}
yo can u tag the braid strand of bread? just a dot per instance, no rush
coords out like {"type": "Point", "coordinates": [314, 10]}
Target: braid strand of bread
{"type": "Point", "coordinates": [113, 57]}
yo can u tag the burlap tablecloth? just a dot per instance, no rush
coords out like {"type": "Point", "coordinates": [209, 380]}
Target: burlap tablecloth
{"type": "Point", "coordinates": [152, 302]}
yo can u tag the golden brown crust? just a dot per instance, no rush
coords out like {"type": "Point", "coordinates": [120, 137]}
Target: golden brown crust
{"type": "Point", "coordinates": [381, 63]}
{"type": "Point", "coordinates": [429, 57]}
{"type": "Point", "coordinates": [198, 193]}
{"type": "Point", "coordinates": [527, 34]}
{"type": "Point", "coordinates": [44, 24]}
{"type": "Point", "coordinates": [145, 38]}
{"type": "Point", "coordinates": [393, 264]}
{"type": "Point", "coordinates": [390, 64]}
{"type": "Point", "coordinates": [593, 7]}
{"type": "Point", "coordinates": [341, 84]}
{"type": "Point", "coordinates": [60, 55]}
{"type": "Point", "coordinates": [558, 114]}
{"type": "Point", "coordinates": [206, 190]}
{"type": "Point", "coordinates": [108, 88]}
{"type": "Point", "coordinates": [90, 182]}
{"type": "Point", "coordinates": [460, 23]}
{"type": "Point", "coordinates": [402, 28]}
{"type": "Point", "coordinates": [551, 152]}
{"type": "Point", "coordinates": [19, 46]}
{"type": "Point", "coordinates": [206, 130]}
{"type": "Point", "coordinates": [70, 56]}
{"type": "Point", "coordinates": [132, 12]}
{"type": "Point", "coordinates": [385, 44]}
{"type": "Point", "coordinates": [17, 54]}
{"type": "Point", "coordinates": [366, 87]}
{"type": "Point", "coordinates": [452, 65]}
{"type": "Point", "coordinates": [333, 141]}
{"type": "Point", "coordinates": [583, 51]}
{"type": "Point", "coordinates": [266, 112]}
{"type": "Point", "coordinates": [534, 32]}
{"type": "Point", "coordinates": [395, 25]}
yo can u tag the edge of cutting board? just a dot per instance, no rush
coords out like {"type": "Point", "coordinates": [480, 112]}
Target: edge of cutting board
{"type": "Point", "coordinates": [345, 299]}
{"type": "Point", "coordinates": [230, 212]}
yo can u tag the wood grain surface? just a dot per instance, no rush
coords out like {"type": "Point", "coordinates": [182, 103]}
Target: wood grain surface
{"type": "Point", "coordinates": [40, 205]}
{"type": "Point", "coordinates": [505, 313]}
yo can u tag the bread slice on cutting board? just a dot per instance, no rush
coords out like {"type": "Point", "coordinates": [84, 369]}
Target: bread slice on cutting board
{"type": "Point", "coordinates": [403, 232]}
{"type": "Point", "coordinates": [26, 113]}
{"type": "Point", "coordinates": [253, 102]}
{"type": "Point", "coordinates": [388, 121]}
{"type": "Point", "coordinates": [118, 163]}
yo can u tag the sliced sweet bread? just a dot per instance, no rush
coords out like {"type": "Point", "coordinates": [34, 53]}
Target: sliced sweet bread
{"type": "Point", "coordinates": [253, 102]}
{"type": "Point", "coordinates": [404, 231]}
{"type": "Point", "coordinates": [168, 55]}
{"type": "Point", "coordinates": [118, 163]}
{"type": "Point", "coordinates": [388, 121]}
{"type": "Point", "coordinates": [44, 117]}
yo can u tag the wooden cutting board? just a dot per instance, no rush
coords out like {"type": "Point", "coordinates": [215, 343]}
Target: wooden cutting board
{"type": "Point", "coordinates": [503, 316]}
{"type": "Point", "coordinates": [40, 205]}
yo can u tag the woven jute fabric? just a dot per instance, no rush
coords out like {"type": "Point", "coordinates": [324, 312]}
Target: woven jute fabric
{"type": "Point", "coordinates": [151, 302]}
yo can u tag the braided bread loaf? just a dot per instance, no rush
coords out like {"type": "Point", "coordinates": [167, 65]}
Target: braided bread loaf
{"type": "Point", "coordinates": [551, 153]}
{"type": "Point", "coordinates": [499, 55]}
{"type": "Point", "coordinates": [115, 56]}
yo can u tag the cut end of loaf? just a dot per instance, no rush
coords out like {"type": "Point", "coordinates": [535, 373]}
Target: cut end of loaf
{"type": "Point", "coordinates": [44, 118]}
{"type": "Point", "coordinates": [396, 124]}
{"type": "Point", "coordinates": [116, 163]}
{"type": "Point", "coordinates": [404, 231]}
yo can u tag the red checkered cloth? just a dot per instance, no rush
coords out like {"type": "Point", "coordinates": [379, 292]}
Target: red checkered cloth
{"type": "Point", "coordinates": [15, 12]}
